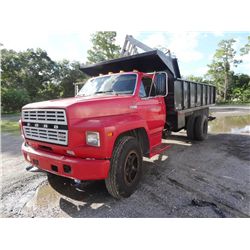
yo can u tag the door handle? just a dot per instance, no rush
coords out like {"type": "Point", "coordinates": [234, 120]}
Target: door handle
{"type": "Point", "coordinates": [133, 107]}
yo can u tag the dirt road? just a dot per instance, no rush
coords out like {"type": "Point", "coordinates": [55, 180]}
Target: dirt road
{"type": "Point", "coordinates": [191, 179]}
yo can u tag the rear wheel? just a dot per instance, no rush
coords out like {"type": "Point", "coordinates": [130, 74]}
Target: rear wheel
{"type": "Point", "coordinates": [190, 127]}
{"type": "Point", "coordinates": [126, 168]}
{"type": "Point", "coordinates": [201, 127]}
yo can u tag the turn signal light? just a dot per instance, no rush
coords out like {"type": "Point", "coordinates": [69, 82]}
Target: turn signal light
{"type": "Point", "coordinates": [110, 134]}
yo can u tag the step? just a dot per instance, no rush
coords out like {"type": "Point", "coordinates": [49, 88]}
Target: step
{"type": "Point", "coordinates": [159, 149]}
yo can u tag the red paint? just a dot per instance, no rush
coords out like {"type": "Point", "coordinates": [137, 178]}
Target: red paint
{"type": "Point", "coordinates": [81, 169]}
{"type": "Point", "coordinates": [104, 114]}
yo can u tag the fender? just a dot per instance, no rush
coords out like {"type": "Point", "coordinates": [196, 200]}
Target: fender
{"type": "Point", "coordinates": [109, 127]}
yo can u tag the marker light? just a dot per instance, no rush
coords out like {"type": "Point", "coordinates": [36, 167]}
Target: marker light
{"type": "Point", "coordinates": [110, 134]}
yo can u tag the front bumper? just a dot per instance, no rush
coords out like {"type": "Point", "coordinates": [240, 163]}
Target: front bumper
{"type": "Point", "coordinates": [71, 167]}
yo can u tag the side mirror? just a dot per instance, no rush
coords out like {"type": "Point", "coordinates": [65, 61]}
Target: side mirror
{"type": "Point", "coordinates": [161, 83]}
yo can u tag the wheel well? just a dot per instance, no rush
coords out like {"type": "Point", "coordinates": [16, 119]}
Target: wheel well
{"type": "Point", "coordinates": [141, 135]}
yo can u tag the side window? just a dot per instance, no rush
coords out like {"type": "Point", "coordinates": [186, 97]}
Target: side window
{"type": "Point", "coordinates": [161, 84]}
{"type": "Point", "coordinates": [145, 90]}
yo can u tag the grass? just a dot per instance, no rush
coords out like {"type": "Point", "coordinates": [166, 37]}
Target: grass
{"type": "Point", "coordinates": [10, 113]}
{"type": "Point", "coordinates": [10, 127]}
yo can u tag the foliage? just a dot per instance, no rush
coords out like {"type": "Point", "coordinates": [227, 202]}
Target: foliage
{"type": "Point", "coordinates": [246, 49]}
{"type": "Point", "coordinates": [13, 99]}
{"type": "Point", "coordinates": [31, 76]}
{"type": "Point", "coordinates": [31, 70]}
{"type": "Point", "coordinates": [69, 73]}
{"type": "Point", "coordinates": [220, 69]}
{"type": "Point", "coordinates": [103, 47]}
{"type": "Point", "coordinates": [193, 78]}
{"type": "Point", "coordinates": [240, 90]}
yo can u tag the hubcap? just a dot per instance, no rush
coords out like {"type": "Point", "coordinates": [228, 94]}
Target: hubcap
{"type": "Point", "coordinates": [131, 167]}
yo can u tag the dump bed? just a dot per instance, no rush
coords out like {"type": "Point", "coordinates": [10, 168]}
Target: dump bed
{"type": "Point", "coordinates": [184, 98]}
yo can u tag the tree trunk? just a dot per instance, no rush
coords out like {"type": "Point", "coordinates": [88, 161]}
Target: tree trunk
{"type": "Point", "coordinates": [225, 86]}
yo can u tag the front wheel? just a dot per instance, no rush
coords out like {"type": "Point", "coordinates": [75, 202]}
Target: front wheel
{"type": "Point", "coordinates": [126, 168]}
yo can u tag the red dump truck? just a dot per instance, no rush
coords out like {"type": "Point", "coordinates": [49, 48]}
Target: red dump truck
{"type": "Point", "coordinates": [118, 117]}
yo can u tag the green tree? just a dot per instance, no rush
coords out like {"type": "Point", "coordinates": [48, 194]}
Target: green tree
{"type": "Point", "coordinates": [11, 67]}
{"type": "Point", "coordinates": [32, 70]}
{"type": "Point", "coordinates": [13, 99]}
{"type": "Point", "coordinates": [220, 71]}
{"type": "Point", "coordinates": [103, 47]}
{"type": "Point", "coordinates": [245, 50]}
{"type": "Point", "coordinates": [195, 78]}
{"type": "Point", "coordinates": [69, 73]}
{"type": "Point", "coordinates": [31, 76]}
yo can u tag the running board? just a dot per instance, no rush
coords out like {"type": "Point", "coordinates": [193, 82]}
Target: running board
{"type": "Point", "coordinates": [158, 149]}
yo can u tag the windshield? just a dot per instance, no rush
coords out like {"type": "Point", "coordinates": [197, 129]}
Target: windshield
{"type": "Point", "coordinates": [111, 84]}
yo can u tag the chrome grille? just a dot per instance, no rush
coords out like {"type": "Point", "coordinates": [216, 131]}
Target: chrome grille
{"type": "Point", "coordinates": [47, 125]}
{"type": "Point", "coordinates": [48, 116]}
{"type": "Point", "coordinates": [47, 135]}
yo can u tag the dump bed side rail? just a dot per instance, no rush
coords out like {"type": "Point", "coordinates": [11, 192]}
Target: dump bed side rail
{"type": "Point", "coordinates": [189, 94]}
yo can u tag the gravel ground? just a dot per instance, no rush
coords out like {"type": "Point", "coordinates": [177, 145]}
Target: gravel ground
{"type": "Point", "coordinates": [191, 179]}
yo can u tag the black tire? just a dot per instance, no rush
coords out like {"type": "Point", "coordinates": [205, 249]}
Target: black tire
{"type": "Point", "coordinates": [201, 126]}
{"type": "Point", "coordinates": [125, 168]}
{"type": "Point", "coordinates": [191, 127]}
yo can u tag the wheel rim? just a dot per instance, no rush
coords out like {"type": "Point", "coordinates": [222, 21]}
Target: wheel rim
{"type": "Point", "coordinates": [131, 168]}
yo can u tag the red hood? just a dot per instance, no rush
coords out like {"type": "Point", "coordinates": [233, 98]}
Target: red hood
{"type": "Point", "coordinates": [63, 103]}
{"type": "Point", "coordinates": [90, 106]}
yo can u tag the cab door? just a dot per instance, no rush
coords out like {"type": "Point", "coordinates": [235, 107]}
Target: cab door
{"type": "Point", "coordinates": [151, 107]}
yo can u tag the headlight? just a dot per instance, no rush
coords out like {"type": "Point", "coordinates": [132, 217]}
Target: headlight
{"type": "Point", "coordinates": [93, 138]}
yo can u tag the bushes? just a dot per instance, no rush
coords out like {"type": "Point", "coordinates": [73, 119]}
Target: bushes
{"type": "Point", "coordinates": [241, 95]}
{"type": "Point", "coordinates": [13, 99]}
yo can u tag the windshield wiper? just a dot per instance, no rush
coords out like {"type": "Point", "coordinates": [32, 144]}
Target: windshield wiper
{"type": "Point", "coordinates": [108, 91]}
